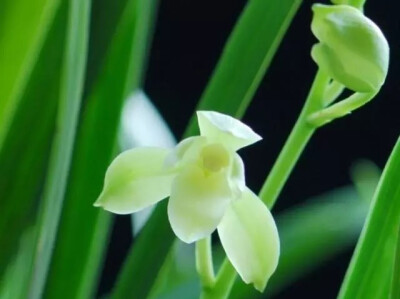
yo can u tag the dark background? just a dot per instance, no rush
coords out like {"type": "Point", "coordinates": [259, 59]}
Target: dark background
{"type": "Point", "coordinates": [189, 37]}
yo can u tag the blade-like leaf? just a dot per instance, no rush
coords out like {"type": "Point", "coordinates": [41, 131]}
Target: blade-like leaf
{"type": "Point", "coordinates": [23, 165]}
{"type": "Point", "coordinates": [365, 176]}
{"type": "Point", "coordinates": [105, 16]}
{"type": "Point", "coordinates": [371, 267]}
{"type": "Point", "coordinates": [246, 57]}
{"type": "Point", "coordinates": [244, 61]}
{"type": "Point", "coordinates": [395, 290]}
{"type": "Point", "coordinates": [83, 231]}
{"type": "Point", "coordinates": [72, 76]}
{"type": "Point", "coordinates": [16, 275]}
{"type": "Point", "coordinates": [20, 44]}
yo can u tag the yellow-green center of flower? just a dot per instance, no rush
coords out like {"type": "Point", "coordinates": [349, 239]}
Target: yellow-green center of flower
{"type": "Point", "coordinates": [214, 157]}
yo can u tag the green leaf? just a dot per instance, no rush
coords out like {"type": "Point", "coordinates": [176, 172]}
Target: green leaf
{"type": "Point", "coordinates": [71, 86]}
{"type": "Point", "coordinates": [395, 290]}
{"type": "Point", "coordinates": [16, 274]}
{"type": "Point", "coordinates": [246, 57]}
{"type": "Point", "coordinates": [83, 231]}
{"type": "Point", "coordinates": [244, 61]}
{"type": "Point", "coordinates": [370, 270]}
{"type": "Point", "coordinates": [178, 276]}
{"type": "Point", "coordinates": [365, 176]}
{"type": "Point", "coordinates": [23, 165]}
{"type": "Point", "coordinates": [20, 44]}
{"type": "Point", "coordinates": [105, 16]}
{"type": "Point", "coordinates": [137, 276]}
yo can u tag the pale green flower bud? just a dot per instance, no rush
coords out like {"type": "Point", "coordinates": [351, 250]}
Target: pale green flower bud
{"type": "Point", "coordinates": [352, 49]}
{"type": "Point", "coordinates": [339, 1]}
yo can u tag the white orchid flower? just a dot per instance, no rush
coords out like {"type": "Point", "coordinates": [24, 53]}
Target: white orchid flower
{"type": "Point", "coordinates": [204, 178]}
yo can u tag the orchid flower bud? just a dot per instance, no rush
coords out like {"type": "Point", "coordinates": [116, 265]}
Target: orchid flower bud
{"type": "Point", "coordinates": [340, 2]}
{"type": "Point", "coordinates": [351, 49]}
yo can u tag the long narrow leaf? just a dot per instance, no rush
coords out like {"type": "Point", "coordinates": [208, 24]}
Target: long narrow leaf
{"type": "Point", "coordinates": [395, 290]}
{"type": "Point", "coordinates": [16, 275]}
{"type": "Point", "coordinates": [370, 272]}
{"type": "Point", "coordinates": [20, 45]}
{"type": "Point", "coordinates": [244, 61]}
{"type": "Point", "coordinates": [105, 17]}
{"type": "Point", "coordinates": [246, 57]}
{"type": "Point", "coordinates": [84, 229]}
{"type": "Point", "coordinates": [67, 117]}
{"type": "Point", "coordinates": [24, 157]}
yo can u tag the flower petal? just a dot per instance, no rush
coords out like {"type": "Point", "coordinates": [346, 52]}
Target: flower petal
{"type": "Point", "coordinates": [225, 129]}
{"type": "Point", "coordinates": [237, 179]}
{"type": "Point", "coordinates": [135, 180]}
{"type": "Point", "coordinates": [250, 238]}
{"type": "Point", "coordinates": [186, 151]}
{"type": "Point", "coordinates": [198, 202]}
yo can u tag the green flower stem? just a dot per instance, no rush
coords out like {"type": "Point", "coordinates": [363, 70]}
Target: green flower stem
{"type": "Point", "coordinates": [204, 262]}
{"type": "Point", "coordinates": [340, 109]}
{"type": "Point", "coordinates": [298, 138]}
{"type": "Point", "coordinates": [279, 174]}
{"type": "Point", "coordinates": [223, 285]}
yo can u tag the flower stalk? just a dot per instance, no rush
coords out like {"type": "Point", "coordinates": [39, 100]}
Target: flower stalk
{"type": "Point", "coordinates": [296, 142]}
{"type": "Point", "coordinates": [204, 262]}
{"type": "Point", "coordinates": [223, 284]}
